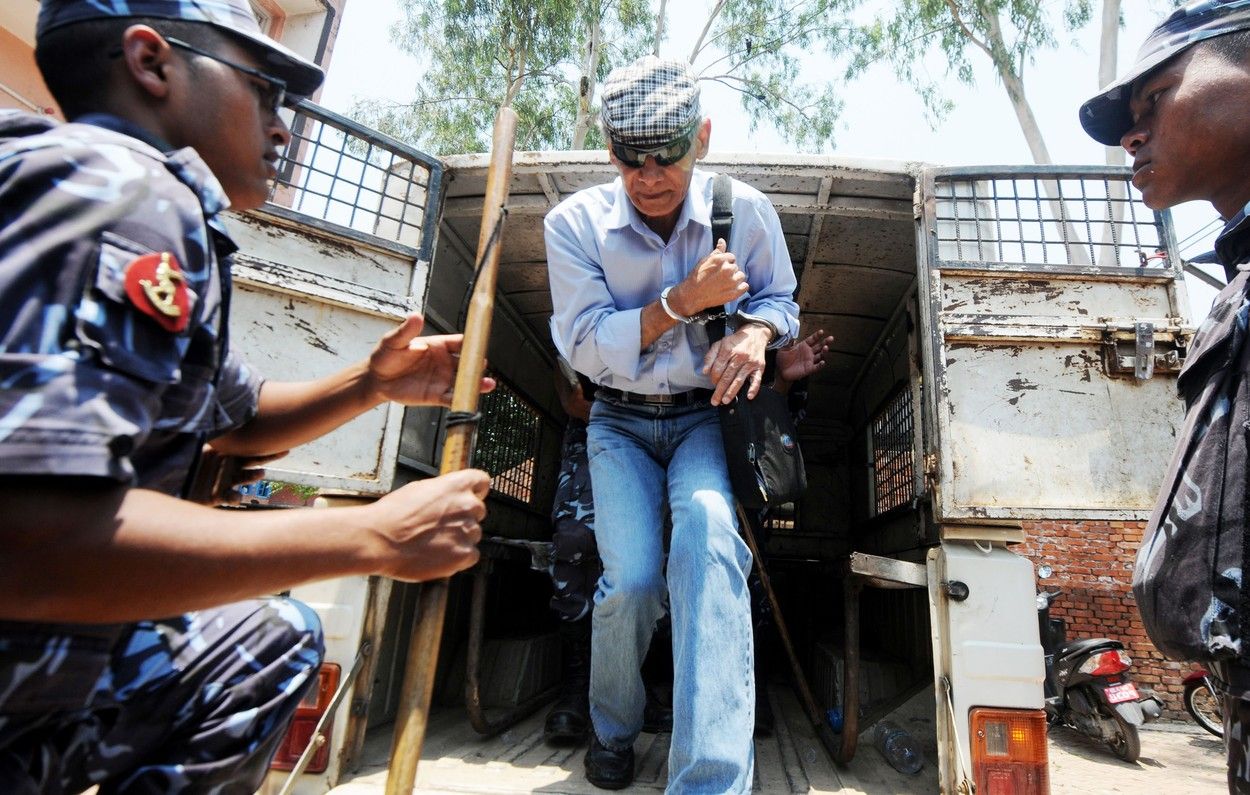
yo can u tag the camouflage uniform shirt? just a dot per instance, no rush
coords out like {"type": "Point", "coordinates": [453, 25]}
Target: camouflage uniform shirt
{"type": "Point", "coordinates": [1188, 580]}
{"type": "Point", "coordinates": [91, 385]}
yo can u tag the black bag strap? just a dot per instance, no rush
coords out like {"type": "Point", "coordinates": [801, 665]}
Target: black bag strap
{"type": "Point", "coordinates": [722, 227]}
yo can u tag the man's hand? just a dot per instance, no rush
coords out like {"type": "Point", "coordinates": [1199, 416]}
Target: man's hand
{"type": "Point", "coordinates": [714, 282]}
{"type": "Point", "coordinates": [736, 360]}
{"type": "Point", "coordinates": [430, 529]}
{"type": "Point", "coordinates": [415, 370]}
{"type": "Point", "coordinates": [799, 360]}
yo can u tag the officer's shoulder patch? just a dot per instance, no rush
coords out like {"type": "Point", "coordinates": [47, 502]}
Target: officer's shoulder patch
{"type": "Point", "coordinates": [157, 287]}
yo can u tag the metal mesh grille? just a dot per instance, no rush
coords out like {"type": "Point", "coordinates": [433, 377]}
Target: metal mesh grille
{"type": "Point", "coordinates": [343, 173]}
{"type": "Point", "coordinates": [893, 453]}
{"type": "Point", "coordinates": [1029, 220]}
{"type": "Point", "coordinates": [507, 442]}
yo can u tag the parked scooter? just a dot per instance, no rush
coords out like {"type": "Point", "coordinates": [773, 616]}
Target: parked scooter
{"type": "Point", "coordinates": [1087, 685]}
{"type": "Point", "coordinates": [1203, 702]}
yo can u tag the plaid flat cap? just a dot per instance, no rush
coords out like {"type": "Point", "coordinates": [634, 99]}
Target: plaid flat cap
{"type": "Point", "coordinates": [232, 17]}
{"type": "Point", "coordinates": [649, 102]}
{"type": "Point", "coordinates": [1106, 117]}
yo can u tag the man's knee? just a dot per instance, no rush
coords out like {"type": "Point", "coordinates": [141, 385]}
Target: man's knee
{"type": "Point", "coordinates": [634, 589]}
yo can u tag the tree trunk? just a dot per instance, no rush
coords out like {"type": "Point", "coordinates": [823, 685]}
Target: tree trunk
{"type": "Point", "coordinates": [1013, 82]}
{"type": "Point", "coordinates": [661, 20]}
{"type": "Point", "coordinates": [707, 26]}
{"type": "Point", "coordinates": [586, 84]}
{"type": "Point", "coordinates": [1108, 57]}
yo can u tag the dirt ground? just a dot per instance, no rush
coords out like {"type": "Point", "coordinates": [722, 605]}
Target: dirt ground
{"type": "Point", "coordinates": [1175, 758]}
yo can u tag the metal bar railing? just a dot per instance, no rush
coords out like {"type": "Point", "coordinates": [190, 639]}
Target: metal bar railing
{"type": "Point", "coordinates": [343, 175]}
{"type": "Point", "coordinates": [987, 216]}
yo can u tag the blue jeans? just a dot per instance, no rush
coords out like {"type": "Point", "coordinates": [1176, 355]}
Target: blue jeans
{"type": "Point", "coordinates": [641, 456]}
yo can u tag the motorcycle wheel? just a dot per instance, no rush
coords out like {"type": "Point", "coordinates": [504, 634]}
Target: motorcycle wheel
{"type": "Point", "coordinates": [1204, 707]}
{"type": "Point", "coordinates": [1126, 744]}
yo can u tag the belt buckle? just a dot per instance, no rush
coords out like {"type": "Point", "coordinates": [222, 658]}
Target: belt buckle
{"type": "Point", "coordinates": [660, 400]}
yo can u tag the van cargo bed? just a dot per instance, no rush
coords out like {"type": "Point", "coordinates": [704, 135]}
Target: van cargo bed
{"type": "Point", "coordinates": [792, 760]}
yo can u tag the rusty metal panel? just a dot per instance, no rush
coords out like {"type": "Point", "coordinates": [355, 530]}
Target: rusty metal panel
{"type": "Point", "coordinates": [292, 338]}
{"type": "Point", "coordinates": [1041, 427]}
{"type": "Point", "coordinates": [1044, 289]}
{"type": "Point", "coordinates": [1010, 293]}
{"type": "Point", "coordinates": [336, 258]}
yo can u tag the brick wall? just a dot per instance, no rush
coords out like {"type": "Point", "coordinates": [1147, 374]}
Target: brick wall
{"type": "Point", "coordinates": [1093, 567]}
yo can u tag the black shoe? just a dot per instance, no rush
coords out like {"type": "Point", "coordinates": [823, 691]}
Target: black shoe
{"type": "Point", "coordinates": [569, 718]}
{"type": "Point", "coordinates": [608, 769]}
{"type": "Point", "coordinates": [657, 716]}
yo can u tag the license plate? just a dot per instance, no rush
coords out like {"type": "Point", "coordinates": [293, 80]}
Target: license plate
{"type": "Point", "coordinates": [1122, 692]}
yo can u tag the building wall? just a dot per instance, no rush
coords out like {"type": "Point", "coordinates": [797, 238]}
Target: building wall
{"type": "Point", "coordinates": [21, 87]}
{"type": "Point", "coordinates": [307, 26]}
{"type": "Point", "coordinates": [1093, 567]}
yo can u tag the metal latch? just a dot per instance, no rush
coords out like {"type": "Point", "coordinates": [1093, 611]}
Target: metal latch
{"type": "Point", "coordinates": [1144, 360]}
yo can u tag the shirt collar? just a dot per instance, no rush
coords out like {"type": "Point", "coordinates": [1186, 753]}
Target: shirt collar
{"type": "Point", "coordinates": [185, 164]}
{"type": "Point", "coordinates": [697, 207]}
{"type": "Point", "coordinates": [1233, 244]}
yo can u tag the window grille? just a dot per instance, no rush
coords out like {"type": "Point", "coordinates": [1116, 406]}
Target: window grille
{"type": "Point", "coordinates": [507, 442]}
{"type": "Point", "coordinates": [1065, 220]}
{"type": "Point", "coordinates": [892, 454]}
{"type": "Point", "coordinates": [346, 174]}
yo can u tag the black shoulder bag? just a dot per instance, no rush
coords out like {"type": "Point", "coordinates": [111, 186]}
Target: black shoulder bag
{"type": "Point", "coordinates": [761, 448]}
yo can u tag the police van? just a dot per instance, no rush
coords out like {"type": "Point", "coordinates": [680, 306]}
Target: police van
{"type": "Point", "coordinates": [1006, 342]}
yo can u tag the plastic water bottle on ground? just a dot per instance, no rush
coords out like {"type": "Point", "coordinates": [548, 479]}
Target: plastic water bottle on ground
{"type": "Point", "coordinates": [898, 747]}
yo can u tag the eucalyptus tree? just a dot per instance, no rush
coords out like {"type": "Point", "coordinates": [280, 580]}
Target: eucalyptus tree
{"type": "Point", "coordinates": [546, 59]}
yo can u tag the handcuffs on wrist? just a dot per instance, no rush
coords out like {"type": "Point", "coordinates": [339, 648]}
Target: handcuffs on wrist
{"type": "Point", "coordinates": [697, 319]}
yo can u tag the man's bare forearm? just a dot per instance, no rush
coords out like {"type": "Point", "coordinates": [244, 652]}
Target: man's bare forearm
{"type": "Point", "coordinates": [86, 550]}
{"type": "Point", "coordinates": [293, 413]}
{"type": "Point", "coordinates": [107, 553]}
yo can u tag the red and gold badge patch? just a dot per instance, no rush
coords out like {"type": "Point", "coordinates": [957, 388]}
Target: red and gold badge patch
{"type": "Point", "coordinates": [157, 287]}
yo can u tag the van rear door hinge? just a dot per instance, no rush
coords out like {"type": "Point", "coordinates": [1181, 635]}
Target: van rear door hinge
{"type": "Point", "coordinates": [1144, 360]}
{"type": "Point", "coordinates": [930, 472]}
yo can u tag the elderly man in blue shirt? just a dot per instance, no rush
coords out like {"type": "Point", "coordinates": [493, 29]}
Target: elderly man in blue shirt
{"type": "Point", "coordinates": [635, 275]}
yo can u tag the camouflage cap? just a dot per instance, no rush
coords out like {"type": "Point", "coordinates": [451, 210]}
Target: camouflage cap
{"type": "Point", "coordinates": [1106, 117]}
{"type": "Point", "coordinates": [649, 102]}
{"type": "Point", "coordinates": [232, 17]}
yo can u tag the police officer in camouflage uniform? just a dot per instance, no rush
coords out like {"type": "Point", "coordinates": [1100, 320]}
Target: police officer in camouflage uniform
{"type": "Point", "coordinates": [119, 666]}
{"type": "Point", "coordinates": [575, 565]}
{"type": "Point", "coordinates": [1181, 113]}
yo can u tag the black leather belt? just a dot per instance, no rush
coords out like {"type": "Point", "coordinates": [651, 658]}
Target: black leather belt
{"type": "Point", "coordinates": [637, 398]}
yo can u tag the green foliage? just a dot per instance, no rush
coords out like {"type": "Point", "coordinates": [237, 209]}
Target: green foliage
{"type": "Point", "coordinates": [530, 54]}
{"type": "Point", "coordinates": [485, 54]}
{"type": "Point", "coordinates": [1010, 32]}
{"type": "Point", "coordinates": [761, 44]}
{"type": "Point", "coordinates": [304, 493]}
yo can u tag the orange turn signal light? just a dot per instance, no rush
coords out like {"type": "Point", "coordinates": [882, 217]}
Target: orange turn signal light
{"type": "Point", "coordinates": [1009, 753]}
{"type": "Point", "coordinates": [304, 725]}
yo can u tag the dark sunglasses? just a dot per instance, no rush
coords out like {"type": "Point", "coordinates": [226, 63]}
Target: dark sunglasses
{"type": "Point", "coordinates": [665, 155]}
{"type": "Point", "coordinates": [272, 94]}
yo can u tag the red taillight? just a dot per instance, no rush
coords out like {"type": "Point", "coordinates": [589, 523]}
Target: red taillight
{"type": "Point", "coordinates": [1009, 751]}
{"type": "Point", "coordinates": [300, 733]}
{"type": "Point", "coordinates": [1106, 663]}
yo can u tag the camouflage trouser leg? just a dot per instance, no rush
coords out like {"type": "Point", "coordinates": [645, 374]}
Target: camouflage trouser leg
{"type": "Point", "coordinates": [196, 703]}
{"type": "Point", "coordinates": [575, 567]}
{"type": "Point", "coordinates": [1237, 741]}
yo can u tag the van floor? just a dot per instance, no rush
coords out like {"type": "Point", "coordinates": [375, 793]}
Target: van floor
{"type": "Point", "coordinates": [792, 760]}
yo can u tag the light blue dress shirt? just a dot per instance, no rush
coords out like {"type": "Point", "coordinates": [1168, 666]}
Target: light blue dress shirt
{"type": "Point", "coordinates": [605, 265]}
